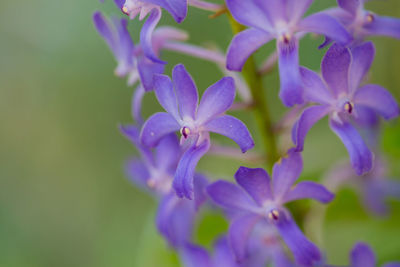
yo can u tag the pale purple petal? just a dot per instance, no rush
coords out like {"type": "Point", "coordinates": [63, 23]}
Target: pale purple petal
{"type": "Point", "coordinates": [366, 117]}
{"type": "Point", "coordinates": [200, 183]}
{"type": "Point", "coordinates": [385, 26]}
{"type": "Point", "coordinates": [291, 91]}
{"type": "Point", "coordinates": [223, 255]}
{"type": "Point", "coordinates": [379, 99]}
{"type": "Point", "coordinates": [216, 100]}
{"type": "Point", "coordinates": [230, 196]}
{"type": "Point", "coordinates": [137, 100]}
{"type": "Point", "coordinates": [314, 88]}
{"type": "Point", "coordinates": [285, 172]}
{"type": "Point", "coordinates": [186, 91]}
{"type": "Point", "coordinates": [157, 126]}
{"type": "Point", "coordinates": [232, 128]}
{"type": "Point", "coordinates": [146, 35]}
{"type": "Point", "coordinates": [335, 68]}
{"type": "Point", "coordinates": [183, 180]}
{"type": "Point", "coordinates": [243, 45]}
{"type": "Point", "coordinates": [249, 13]}
{"type": "Point", "coordinates": [297, 8]}
{"type": "Point", "coordinates": [195, 256]}
{"type": "Point", "coordinates": [324, 24]}
{"type": "Point", "coordinates": [239, 233]}
{"type": "Point", "coordinates": [119, 3]}
{"type": "Point", "coordinates": [147, 69]}
{"type": "Point", "coordinates": [362, 256]}
{"type": "Point", "coordinates": [137, 172]}
{"type": "Point", "coordinates": [104, 29]}
{"type": "Point", "coordinates": [133, 134]}
{"type": "Point", "coordinates": [360, 155]}
{"type": "Point", "coordinates": [374, 197]}
{"type": "Point", "coordinates": [165, 95]}
{"type": "Point", "coordinates": [256, 182]}
{"type": "Point", "coordinates": [275, 10]}
{"type": "Point", "coordinates": [350, 6]}
{"type": "Point", "coordinates": [308, 118]}
{"type": "Point", "coordinates": [177, 8]}
{"type": "Point", "coordinates": [308, 189]}
{"type": "Point", "coordinates": [167, 153]}
{"type": "Point", "coordinates": [362, 58]}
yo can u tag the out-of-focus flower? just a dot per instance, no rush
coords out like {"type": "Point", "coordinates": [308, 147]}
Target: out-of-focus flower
{"type": "Point", "coordinates": [194, 121]}
{"type": "Point", "coordinates": [339, 94]}
{"type": "Point", "coordinates": [280, 20]}
{"type": "Point", "coordinates": [259, 201]}
{"type": "Point", "coordinates": [363, 256]}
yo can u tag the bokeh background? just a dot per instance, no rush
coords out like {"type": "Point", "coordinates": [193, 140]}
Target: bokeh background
{"type": "Point", "coordinates": [64, 198]}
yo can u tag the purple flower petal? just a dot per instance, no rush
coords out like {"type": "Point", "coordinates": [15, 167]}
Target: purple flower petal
{"type": "Point", "coordinates": [186, 91]}
{"type": "Point", "coordinates": [147, 69]}
{"type": "Point", "coordinates": [363, 57]}
{"type": "Point", "coordinates": [305, 252]}
{"type": "Point", "coordinates": [243, 45]}
{"type": "Point", "coordinates": [133, 134]}
{"type": "Point", "coordinates": [374, 197]}
{"type": "Point", "coordinates": [200, 184]}
{"type": "Point", "coordinates": [309, 190]}
{"type": "Point", "coordinates": [177, 8]}
{"type": "Point", "coordinates": [275, 10]}
{"type": "Point", "coordinates": [104, 29]}
{"type": "Point", "coordinates": [362, 256]}
{"type": "Point", "coordinates": [137, 100]}
{"type": "Point", "coordinates": [256, 182]}
{"type": "Point", "coordinates": [285, 173]}
{"type": "Point", "coordinates": [232, 128]}
{"type": "Point", "coordinates": [195, 256]}
{"type": "Point", "coordinates": [314, 88]}
{"type": "Point", "coordinates": [360, 155]}
{"type": "Point", "coordinates": [157, 126]}
{"type": "Point", "coordinates": [239, 233]}
{"type": "Point", "coordinates": [165, 95]}
{"type": "Point", "coordinates": [385, 26]}
{"type": "Point", "coordinates": [324, 24]}
{"type": "Point", "coordinates": [297, 8]}
{"type": "Point", "coordinates": [379, 99]}
{"type": "Point", "coordinates": [230, 196]}
{"type": "Point", "coordinates": [335, 68]}
{"type": "Point", "coordinates": [183, 180]}
{"type": "Point", "coordinates": [291, 91]}
{"type": "Point", "coordinates": [167, 153]}
{"type": "Point", "coordinates": [119, 3]}
{"type": "Point", "coordinates": [223, 255]}
{"type": "Point", "coordinates": [146, 35]}
{"type": "Point", "coordinates": [216, 99]}
{"type": "Point", "coordinates": [350, 6]}
{"type": "Point", "coordinates": [249, 13]}
{"type": "Point", "coordinates": [308, 118]}
{"type": "Point", "coordinates": [137, 172]}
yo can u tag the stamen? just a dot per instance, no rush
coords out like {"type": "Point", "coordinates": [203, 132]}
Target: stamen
{"type": "Point", "coordinates": [370, 17]}
{"type": "Point", "coordinates": [348, 106]}
{"type": "Point", "coordinates": [185, 132]}
{"type": "Point", "coordinates": [285, 38]}
{"type": "Point", "coordinates": [273, 215]}
{"type": "Point", "coordinates": [125, 10]}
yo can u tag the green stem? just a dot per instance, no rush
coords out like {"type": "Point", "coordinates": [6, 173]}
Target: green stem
{"type": "Point", "coordinates": [261, 111]}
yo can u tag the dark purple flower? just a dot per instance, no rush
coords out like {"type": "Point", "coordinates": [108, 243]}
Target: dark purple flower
{"type": "Point", "coordinates": [339, 94]}
{"type": "Point", "coordinates": [257, 200]}
{"type": "Point", "coordinates": [194, 121]}
{"type": "Point", "coordinates": [363, 256]}
{"type": "Point", "coordinates": [280, 20]}
{"type": "Point", "coordinates": [362, 23]}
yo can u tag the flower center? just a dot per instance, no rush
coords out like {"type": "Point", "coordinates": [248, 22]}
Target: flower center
{"type": "Point", "coordinates": [273, 215]}
{"type": "Point", "coordinates": [369, 18]}
{"type": "Point", "coordinates": [285, 38]}
{"type": "Point", "coordinates": [185, 132]}
{"type": "Point", "coordinates": [348, 107]}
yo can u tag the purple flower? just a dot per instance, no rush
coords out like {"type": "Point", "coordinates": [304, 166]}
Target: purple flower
{"type": "Point", "coordinates": [339, 94]}
{"type": "Point", "coordinates": [363, 256]}
{"type": "Point", "coordinates": [362, 23]}
{"type": "Point", "coordinates": [280, 20]}
{"type": "Point", "coordinates": [194, 121]}
{"type": "Point", "coordinates": [131, 59]}
{"type": "Point", "coordinates": [259, 201]}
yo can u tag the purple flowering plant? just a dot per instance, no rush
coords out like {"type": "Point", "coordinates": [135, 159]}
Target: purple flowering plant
{"type": "Point", "coordinates": [265, 213]}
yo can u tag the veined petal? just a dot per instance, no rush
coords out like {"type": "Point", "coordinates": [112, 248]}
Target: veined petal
{"type": "Point", "coordinates": [157, 126]}
{"type": "Point", "coordinates": [183, 180]}
{"type": "Point", "coordinates": [335, 68]}
{"type": "Point", "coordinates": [243, 45]}
{"type": "Point", "coordinates": [324, 24]}
{"type": "Point", "coordinates": [379, 99]}
{"type": "Point", "coordinates": [285, 172]}
{"type": "Point", "coordinates": [165, 95]}
{"type": "Point", "coordinates": [385, 26]}
{"type": "Point", "coordinates": [195, 256]}
{"type": "Point", "coordinates": [362, 256]}
{"type": "Point", "coordinates": [167, 153]}
{"type": "Point", "coordinates": [291, 91]}
{"type": "Point", "coordinates": [250, 13]}
{"type": "Point", "coordinates": [239, 233]}
{"type": "Point", "coordinates": [147, 69]}
{"type": "Point", "coordinates": [350, 6]}
{"type": "Point", "coordinates": [297, 8]}
{"type": "Point", "coordinates": [186, 91]}
{"type": "Point", "coordinates": [177, 8]}
{"type": "Point", "coordinates": [230, 196]}
{"type": "Point", "coordinates": [308, 189]}
{"type": "Point", "coordinates": [308, 118]}
{"type": "Point", "coordinates": [232, 128]}
{"type": "Point", "coordinates": [362, 58]}
{"type": "Point", "coordinates": [256, 182]}
{"type": "Point", "coordinates": [314, 88]}
{"type": "Point", "coordinates": [304, 251]}
{"type": "Point", "coordinates": [216, 100]}
{"type": "Point", "coordinates": [360, 155]}
{"type": "Point", "coordinates": [146, 35]}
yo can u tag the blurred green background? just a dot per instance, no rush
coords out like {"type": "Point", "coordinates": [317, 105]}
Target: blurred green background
{"type": "Point", "coordinates": [64, 199]}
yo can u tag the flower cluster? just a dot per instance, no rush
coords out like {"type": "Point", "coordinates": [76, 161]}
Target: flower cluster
{"type": "Point", "coordinates": [171, 143]}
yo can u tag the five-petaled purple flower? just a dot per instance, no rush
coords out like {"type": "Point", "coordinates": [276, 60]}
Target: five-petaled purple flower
{"type": "Point", "coordinates": [259, 201]}
{"type": "Point", "coordinates": [363, 256]}
{"type": "Point", "coordinates": [280, 20]}
{"type": "Point", "coordinates": [339, 94]}
{"type": "Point", "coordinates": [194, 121]}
